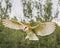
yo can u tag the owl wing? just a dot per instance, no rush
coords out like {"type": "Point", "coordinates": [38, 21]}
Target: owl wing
{"type": "Point", "coordinates": [18, 25]}
{"type": "Point", "coordinates": [44, 29]}
{"type": "Point", "coordinates": [12, 24]}
{"type": "Point", "coordinates": [31, 36]}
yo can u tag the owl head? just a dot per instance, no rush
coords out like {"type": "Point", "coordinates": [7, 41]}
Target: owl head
{"type": "Point", "coordinates": [27, 28]}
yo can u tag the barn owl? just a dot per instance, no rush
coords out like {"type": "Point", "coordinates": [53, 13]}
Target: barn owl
{"type": "Point", "coordinates": [41, 29]}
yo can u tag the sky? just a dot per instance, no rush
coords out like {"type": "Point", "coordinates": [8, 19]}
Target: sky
{"type": "Point", "coordinates": [17, 9]}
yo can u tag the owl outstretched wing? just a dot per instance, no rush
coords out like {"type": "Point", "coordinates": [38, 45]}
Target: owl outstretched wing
{"type": "Point", "coordinates": [12, 24]}
{"type": "Point", "coordinates": [44, 29]}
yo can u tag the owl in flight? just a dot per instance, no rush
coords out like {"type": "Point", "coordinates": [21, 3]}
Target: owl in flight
{"type": "Point", "coordinates": [41, 29]}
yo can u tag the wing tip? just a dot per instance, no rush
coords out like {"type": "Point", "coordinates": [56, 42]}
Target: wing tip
{"type": "Point", "coordinates": [51, 26]}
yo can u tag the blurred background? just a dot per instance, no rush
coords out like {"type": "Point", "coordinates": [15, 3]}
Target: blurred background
{"type": "Point", "coordinates": [29, 12]}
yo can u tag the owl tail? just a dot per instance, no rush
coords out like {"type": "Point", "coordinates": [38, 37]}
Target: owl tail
{"type": "Point", "coordinates": [31, 36]}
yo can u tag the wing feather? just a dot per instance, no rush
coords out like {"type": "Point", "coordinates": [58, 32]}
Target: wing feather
{"type": "Point", "coordinates": [31, 36]}
{"type": "Point", "coordinates": [44, 29]}
{"type": "Point", "coordinates": [12, 24]}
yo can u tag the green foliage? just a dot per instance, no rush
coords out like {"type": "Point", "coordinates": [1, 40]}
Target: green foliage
{"type": "Point", "coordinates": [1, 27]}
{"type": "Point", "coordinates": [47, 10]}
{"type": "Point", "coordinates": [14, 19]}
{"type": "Point", "coordinates": [33, 23]}
{"type": "Point", "coordinates": [4, 10]}
{"type": "Point", "coordinates": [27, 9]}
{"type": "Point", "coordinates": [43, 11]}
{"type": "Point", "coordinates": [10, 38]}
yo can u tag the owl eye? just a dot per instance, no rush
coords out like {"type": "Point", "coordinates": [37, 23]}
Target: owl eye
{"type": "Point", "coordinates": [25, 28]}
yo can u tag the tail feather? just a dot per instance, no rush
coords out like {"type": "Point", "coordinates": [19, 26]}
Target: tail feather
{"type": "Point", "coordinates": [31, 36]}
